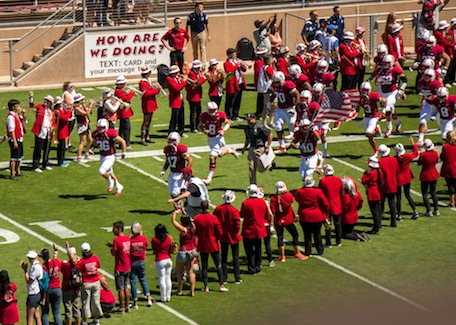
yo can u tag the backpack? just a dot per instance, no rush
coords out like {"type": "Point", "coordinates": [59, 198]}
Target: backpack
{"type": "Point", "coordinates": [162, 73]}
{"type": "Point", "coordinates": [75, 278]}
{"type": "Point", "coordinates": [245, 49]}
{"type": "Point", "coordinates": [44, 282]}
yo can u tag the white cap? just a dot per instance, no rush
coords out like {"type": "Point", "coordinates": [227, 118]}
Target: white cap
{"type": "Point", "coordinates": [32, 254]}
{"type": "Point", "coordinates": [49, 98]}
{"type": "Point", "coordinates": [120, 80]}
{"type": "Point", "coordinates": [399, 149]}
{"type": "Point", "coordinates": [214, 62]}
{"type": "Point", "coordinates": [229, 196]}
{"type": "Point", "coordinates": [197, 64]}
{"type": "Point", "coordinates": [71, 250]}
{"type": "Point", "coordinates": [383, 150]}
{"type": "Point", "coordinates": [373, 162]}
{"type": "Point", "coordinates": [85, 247]}
{"type": "Point", "coordinates": [396, 27]}
{"type": "Point", "coordinates": [174, 69]}
{"type": "Point", "coordinates": [443, 24]}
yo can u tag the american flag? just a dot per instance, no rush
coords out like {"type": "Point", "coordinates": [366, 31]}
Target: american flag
{"type": "Point", "coordinates": [338, 106]}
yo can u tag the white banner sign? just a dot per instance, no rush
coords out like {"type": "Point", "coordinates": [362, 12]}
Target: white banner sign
{"type": "Point", "coordinates": [115, 54]}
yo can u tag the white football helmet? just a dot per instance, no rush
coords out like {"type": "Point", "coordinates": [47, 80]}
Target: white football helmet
{"type": "Point", "coordinates": [431, 42]}
{"type": "Point", "coordinates": [279, 78]}
{"type": "Point", "coordinates": [388, 61]}
{"type": "Point", "coordinates": [252, 190]}
{"type": "Point", "coordinates": [304, 123]}
{"type": "Point", "coordinates": [429, 75]}
{"type": "Point", "coordinates": [382, 50]}
{"type": "Point", "coordinates": [102, 125]}
{"type": "Point", "coordinates": [442, 94]}
{"type": "Point", "coordinates": [173, 138]}
{"type": "Point", "coordinates": [306, 96]}
{"type": "Point", "coordinates": [428, 63]}
{"type": "Point", "coordinates": [295, 70]}
{"type": "Point", "coordinates": [366, 88]}
{"type": "Point", "coordinates": [211, 108]}
{"type": "Point", "coordinates": [322, 66]}
{"type": "Point", "coordinates": [318, 89]}
{"type": "Point", "coordinates": [424, 34]}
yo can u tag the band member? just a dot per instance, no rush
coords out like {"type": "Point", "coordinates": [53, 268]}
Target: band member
{"type": "Point", "coordinates": [175, 84]}
{"type": "Point", "coordinates": [149, 103]}
{"type": "Point", "coordinates": [215, 78]}
{"type": "Point", "coordinates": [348, 62]}
{"type": "Point", "coordinates": [125, 111]}
{"type": "Point", "coordinates": [235, 84]}
{"type": "Point", "coordinates": [194, 92]}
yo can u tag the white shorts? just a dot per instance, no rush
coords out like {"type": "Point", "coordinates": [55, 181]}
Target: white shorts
{"type": "Point", "coordinates": [427, 110]}
{"type": "Point", "coordinates": [390, 100]}
{"type": "Point", "coordinates": [322, 128]}
{"type": "Point", "coordinates": [285, 115]}
{"type": "Point", "coordinates": [175, 184]}
{"type": "Point", "coordinates": [216, 144]}
{"type": "Point", "coordinates": [106, 163]}
{"type": "Point", "coordinates": [446, 126]}
{"type": "Point", "coordinates": [369, 124]}
{"type": "Point", "coordinates": [308, 165]}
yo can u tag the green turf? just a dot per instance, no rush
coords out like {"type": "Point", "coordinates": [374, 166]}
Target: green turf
{"type": "Point", "coordinates": [415, 260]}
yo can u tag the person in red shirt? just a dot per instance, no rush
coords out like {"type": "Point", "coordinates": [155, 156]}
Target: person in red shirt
{"type": "Point", "coordinates": [390, 175]}
{"type": "Point", "coordinates": [395, 44]}
{"type": "Point", "coordinates": [9, 313]}
{"type": "Point", "coordinates": [333, 188]}
{"type": "Point", "coordinates": [15, 136]}
{"type": "Point", "coordinates": [446, 106]}
{"type": "Point", "coordinates": [230, 220]}
{"type": "Point", "coordinates": [352, 202]}
{"type": "Point", "coordinates": [61, 116]}
{"type": "Point", "coordinates": [372, 181]}
{"type": "Point", "coordinates": [448, 171]}
{"type": "Point", "coordinates": [88, 266]}
{"type": "Point", "coordinates": [306, 139]}
{"type": "Point", "coordinates": [282, 61]}
{"type": "Point", "coordinates": [175, 84]}
{"type": "Point", "coordinates": [254, 211]}
{"type": "Point", "coordinates": [138, 263]}
{"type": "Point", "coordinates": [148, 102]}
{"type": "Point", "coordinates": [54, 294]}
{"type": "Point", "coordinates": [209, 232]}
{"type": "Point", "coordinates": [194, 92]}
{"type": "Point", "coordinates": [71, 294]}
{"type": "Point", "coordinates": [284, 217]}
{"type": "Point", "coordinates": [348, 62]}
{"type": "Point", "coordinates": [161, 244]}
{"type": "Point", "coordinates": [124, 112]}
{"type": "Point", "coordinates": [187, 252]}
{"type": "Point", "coordinates": [312, 211]}
{"type": "Point", "coordinates": [107, 298]}
{"type": "Point", "coordinates": [120, 249]}
{"type": "Point", "coordinates": [215, 78]}
{"type": "Point", "coordinates": [405, 176]}
{"type": "Point", "coordinates": [235, 84]}
{"type": "Point", "coordinates": [429, 176]}
{"type": "Point", "coordinates": [175, 40]}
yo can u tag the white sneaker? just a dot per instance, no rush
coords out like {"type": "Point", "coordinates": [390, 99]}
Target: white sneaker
{"type": "Point", "coordinates": [37, 170]}
{"type": "Point", "coordinates": [207, 181]}
{"type": "Point", "coordinates": [119, 189]}
{"type": "Point", "coordinates": [271, 264]}
{"type": "Point", "coordinates": [110, 185]}
{"type": "Point", "coordinates": [234, 153]}
{"type": "Point", "coordinates": [289, 137]}
{"type": "Point", "coordinates": [48, 168]}
{"type": "Point", "coordinates": [184, 135]}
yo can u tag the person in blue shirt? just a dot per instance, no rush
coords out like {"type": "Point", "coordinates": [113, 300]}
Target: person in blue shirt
{"type": "Point", "coordinates": [310, 28]}
{"type": "Point", "coordinates": [338, 20]}
{"type": "Point", "coordinates": [198, 24]}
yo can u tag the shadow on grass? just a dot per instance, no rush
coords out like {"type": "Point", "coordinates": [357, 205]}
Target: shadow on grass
{"type": "Point", "coordinates": [159, 212]}
{"type": "Point", "coordinates": [86, 197]}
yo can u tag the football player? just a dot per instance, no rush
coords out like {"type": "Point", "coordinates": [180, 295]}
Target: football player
{"type": "Point", "coordinates": [287, 97]}
{"type": "Point", "coordinates": [387, 81]}
{"type": "Point", "coordinates": [301, 81]}
{"type": "Point", "coordinates": [214, 124]}
{"type": "Point", "coordinates": [177, 158]}
{"type": "Point", "coordinates": [322, 75]}
{"type": "Point", "coordinates": [306, 139]}
{"type": "Point", "coordinates": [445, 105]}
{"type": "Point", "coordinates": [105, 139]}
{"type": "Point", "coordinates": [318, 90]}
{"type": "Point", "coordinates": [369, 102]}
{"type": "Point", "coordinates": [431, 50]}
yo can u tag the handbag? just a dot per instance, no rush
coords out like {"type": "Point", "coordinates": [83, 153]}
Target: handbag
{"type": "Point", "coordinates": [192, 253]}
{"type": "Point", "coordinates": [173, 248]}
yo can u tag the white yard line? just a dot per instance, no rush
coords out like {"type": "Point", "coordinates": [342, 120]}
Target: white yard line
{"type": "Point", "coordinates": [107, 274]}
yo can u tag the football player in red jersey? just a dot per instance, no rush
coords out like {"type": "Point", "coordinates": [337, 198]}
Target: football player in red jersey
{"type": "Point", "coordinates": [431, 50]}
{"type": "Point", "coordinates": [322, 75]}
{"type": "Point", "coordinates": [306, 139]}
{"type": "Point", "coordinates": [287, 97]}
{"type": "Point", "coordinates": [445, 105]}
{"type": "Point", "coordinates": [387, 80]}
{"type": "Point", "coordinates": [214, 124]}
{"type": "Point", "coordinates": [302, 107]}
{"type": "Point", "coordinates": [177, 158]}
{"type": "Point", "coordinates": [369, 102]}
{"type": "Point", "coordinates": [105, 139]}
{"type": "Point", "coordinates": [301, 81]}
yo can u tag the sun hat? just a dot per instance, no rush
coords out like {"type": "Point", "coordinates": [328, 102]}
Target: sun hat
{"type": "Point", "coordinates": [145, 70]}
{"type": "Point", "coordinates": [360, 30]}
{"type": "Point", "coordinates": [120, 80]}
{"type": "Point", "coordinates": [373, 162]}
{"type": "Point", "coordinates": [396, 28]}
{"type": "Point", "coordinates": [261, 50]}
{"type": "Point", "coordinates": [309, 181]}
{"type": "Point", "coordinates": [78, 97]}
{"type": "Point", "coordinates": [49, 98]}
{"type": "Point", "coordinates": [32, 254]}
{"type": "Point", "coordinates": [58, 100]}
{"type": "Point", "coordinates": [383, 150]}
{"type": "Point", "coordinates": [85, 247]}
{"type": "Point", "coordinates": [284, 50]}
{"type": "Point", "coordinates": [399, 149]}
{"type": "Point", "coordinates": [213, 62]}
{"type": "Point", "coordinates": [174, 69]}
{"type": "Point", "coordinates": [229, 196]}
{"type": "Point", "coordinates": [197, 64]}
{"type": "Point", "coordinates": [71, 250]}
{"type": "Point", "coordinates": [443, 24]}
{"type": "Point", "coordinates": [252, 191]}
{"type": "Point", "coordinates": [280, 187]}
{"type": "Point", "coordinates": [428, 145]}
{"type": "Point", "coordinates": [349, 36]}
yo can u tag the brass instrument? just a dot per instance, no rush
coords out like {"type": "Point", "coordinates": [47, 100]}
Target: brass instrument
{"type": "Point", "coordinates": [136, 91]}
{"type": "Point", "coordinates": [123, 104]}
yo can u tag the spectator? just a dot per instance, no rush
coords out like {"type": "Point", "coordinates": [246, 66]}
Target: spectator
{"type": "Point", "coordinates": [198, 24]}
{"type": "Point", "coordinates": [61, 115]}
{"type": "Point", "coordinates": [215, 78]}
{"type": "Point", "coordinates": [120, 9]}
{"type": "Point", "coordinates": [138, 263]}
{"type": "Point", "coordinates": [88, 266]}
{"type": "Point", "coordinates": [261, 32]}
{"type": "Point", "coordinates": [258, 139]}
{"type": "Point", "coordinates": [364, 54]}
{"type": "Point", "coordinates": [187, 252]}
{"type": "Point", "coordinates": [209, 231]}
{"type": "Point", "coordinates": [390, 21]}
{"type": "Point", "coordinates": [9, 313]}
{"type": "Point", "coordinates": [351, 203]}
{"type": "Point", "coordinates": [448, 171]}
{"type": "Point", "coordinates": [194, 93]}
{"type": "Point", "coordinates": [32, 276]}
{"type": "Point", "coordinates": [310, 27]}
{"type": "Point", "coordinates": [142, 10]}
{"type": "Point", "coordinates": [390, 172]}
{"type": "Point", "coordinates": [372, 181]}
{"type": "Point", "coordinates": [54, 294]}
{"type": "Point", "coordinates": [284, 216]}
{"type": "Point", "coordinates": [70, 289]}
{"type": "Point", "coordinates": [102, 13]}
{"type": "Point", "coordinates": [107, 298]}
{"type": "Point", "coordinates": [230, 220]}
{"type": "Point", "coordinates": [338, 20]}
{"type": "Point", "coordinates": [429, 176]}
{"type": "Point", "coordinates": [120, 249]}
{"type": "Point", "coordinates": [175, 84]}
{"type": "Point", "coordinates": [42, 129]}
{"type": "Point", "coordinates": [263, 86]}
{"type": "Point", "coordinates": [313, 210]}
{"type": "Point", "coordinates": [149, 103]}
{"type": "Point", "coordinates": [395, 44]}
{"type": "Point", "coordinates": [125, 111]}
{"type": "Point", "coordinates": [82, 113]}
{"type": "Point", "coordinates": [175, 40]}
{"type": "Point", "coordinates": [331, 46]}
{"type": "Point", "coordinates": [254, 211]}
{"type": "Point", "coordinates": [15, 136]}
{"type": "Point", "coordinates": [235, 84]}
{"type": "Point", "coordinates": [161, 244]}
{"type": "Point", "coordinates": [275, 39]}
{"type": "Point", "coordinates": [68, 101]}
{"type": "Point", "coordinates": [320, 34]}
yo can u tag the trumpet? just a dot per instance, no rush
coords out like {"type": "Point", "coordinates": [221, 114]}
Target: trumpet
{"type": "Point", "coordinates": [123, 104]}
{"type": "Point", "coordinates": [156, 85]}
{"type": "Point", "coordinates": [136, 91]}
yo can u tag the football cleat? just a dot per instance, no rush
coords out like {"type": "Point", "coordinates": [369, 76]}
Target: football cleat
{"type": "Point", "coordinates": [119, 189]}
{"type": "Point", "coordinates": [387, 134]}
{"type": "Point", "coordinates": [399, 128]}
{"type": "Point", "coordinates": [234, 153]}
{"type": "Point", "coordinates": [110, 185]}
{"type": "Point", "coordinates": [280, 150]}
{"type": "Point", "coordinates": [207, 180]}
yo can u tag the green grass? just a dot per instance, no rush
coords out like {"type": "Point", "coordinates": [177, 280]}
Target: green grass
{"type": "Point", "coordinates": [415, 260]}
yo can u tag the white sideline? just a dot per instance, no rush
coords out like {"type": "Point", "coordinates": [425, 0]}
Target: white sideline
{"type": "Point", "coordinates": [107, 274]}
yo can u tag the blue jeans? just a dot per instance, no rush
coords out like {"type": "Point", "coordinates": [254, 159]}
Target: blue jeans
{"type": "Point", "coordinates": [138, 269]}
{"type": "Point", "coordinates": [55, 299]}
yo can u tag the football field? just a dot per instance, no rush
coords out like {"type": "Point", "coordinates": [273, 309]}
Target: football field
{"type": "Point", "coordinates": [405, 275]}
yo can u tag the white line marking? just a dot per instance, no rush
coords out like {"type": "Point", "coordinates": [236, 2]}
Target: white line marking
{"type": "Point", "coordinates": [88, 88]}
{"type": "Point", "coordinates": [158, 158]}
{"type": "Point", "coordinates": [196, 156]}
{"type": "Point", "coordinates": [107, 274]}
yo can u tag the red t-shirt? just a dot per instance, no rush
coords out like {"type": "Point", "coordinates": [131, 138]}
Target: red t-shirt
{"type": "Point", "coordinates": [122, 246]}
{"type": "Point", "coordinates": [138, 248]}
{"type": "Point", "coordinates": [176, 38]}
{"type": "Point", "coordinates": [161, 248]}
{"type": "Point", "coordinates": [106, 296]}
{"type": "Point", "coordinates": [89, 269]}
{"type": "Point", "coordinates": [66, 269]}
{"type": "Point", "coordinates": [54, 273]}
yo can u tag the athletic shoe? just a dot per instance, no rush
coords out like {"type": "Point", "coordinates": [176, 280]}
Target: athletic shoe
{"type": "Point", "coordinates": [301, 257]}
{"type": "Point", "coordinates": [110, 185]}
{"type": "Point", "coordinates": [238, 281]}
{"type": "Point", "coordinates": [338, 245]}
{"type": "Point", "coordinates": [436, 213]}
{"type": "Point", "coordinates": [238, 119]}
{"type": "Point", "coordinates": [282, 258]}
{"type": "Point", "coordinates": [196, 131]}
{"type": "Point", "coordinates": [129, 148]}
{"type": "Point", "coordinates": [149, 141]}
{"type": "Point", "coordinates": [95, 322]}
{"type": "Point", "coordinates": [271, 264]}
{"type": "Point", "coordinates": [366, 237]}
{"type": "Point", "coordinates": [415, 215]}
{"type": "Point", "coordinates": [48, 168]}
{"type": "Point", "coordinates": [289, 137]}
{"type": "Point", "coordinates": [83, 323]}
{"type": "Point", "coordinates": [14, 178]}
{"type": "Point", "coordinates": [428, 214]}
{"type": "Point", "coordinates": [280, 150]}
{"type": "Point", "coordinates": [149, 303]}
{"type": "Point", "coordinates": [360, 237]}
{"type": "Point", "coordinates": [91, 151]}
{"type": "Point", "coordinates": [387, 134]}
{"type": "Point", "coordinates": [184, 135]}
{"type": "Point", "coordinates": [454, 83]}
{"type": "Point", "coordinates": [448, 85]}
{"type": "Point", "coordinates": [399, 128]}
{"type": "Point", "coordinates": [234, 153]}
{"type": "Point", "coordinates": [223, 289]}
{"type": "Point", "coordinates": [328, 246]}
{"type": "Point", "coordinates": [144, 143]}
{"type": "Point", "coordinates": [207, 181]}
{"type": "Point", "coordinates": [133, 306]}
{"type": "Point", "coordinates": [433, 118]}
{"type": "Point", "coordinates": [119, 189]}
{"type": "Point", "coordinates": [37, 170]}
{"type": "Point", "coordinates": [65, 164]}
{"type": "Point", "coordinates": [336, 126]}
{"type": "Point", "coordinates": [373, 232]}
{"type": "Point", "coordinates": [399, 218]}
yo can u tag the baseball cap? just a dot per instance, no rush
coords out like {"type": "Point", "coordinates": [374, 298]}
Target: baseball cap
{"type": "Point", "coordinates": [251, 116]}
{"type": "Point", "coordinates": [258, 23]}
{"type": "Point", "coordinates": [188, 171]}
{"type": "Point", "coordinates": [85, 247]}
{"type": "Point", "coordinates": [71, 250]}
{"type": "Point", "coordinates": [332, 27]}
{"type": "Point", "coordinates": [32, 254]}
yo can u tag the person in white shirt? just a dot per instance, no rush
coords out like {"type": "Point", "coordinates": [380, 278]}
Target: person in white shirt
{"type": "Point", "coordinates": [32, 276]}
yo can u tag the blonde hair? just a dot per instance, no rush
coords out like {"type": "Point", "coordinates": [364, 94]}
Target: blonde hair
{"type": "Point", "coordinates": [451, 138]}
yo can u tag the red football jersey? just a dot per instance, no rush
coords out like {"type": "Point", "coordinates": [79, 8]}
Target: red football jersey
{"type": "Point", "coordinates": [284, 94]}
{"type": "Point", "coordinates": [388, 79]}
{"type": "Point", "coordinates": [312, 110]}
{"type": "Point", "coordinates": [213, 123]}
{"type": "Point", "coordinates": [435, 54]}
{"type": "Point", "coordinates": [446, 109]}
{"type": "Point", "coordinates": [105, 141]}
{"type": "Point", "coordinates": [301, 82]}
{"type": "Point", "coordinates": [429, 89]}
{"type": "Point", "coordinates": [174, 156]}
{"type": "Point", "coordinates": [370, 104]}
{"type": "Point", "coordinates": [308, 143]}
{"type": "Point", "coordinates": [324, 78]}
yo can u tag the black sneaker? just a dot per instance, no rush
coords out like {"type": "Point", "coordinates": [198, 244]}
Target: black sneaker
{"type": "Point", "coordinates": [373, 232]}
{"type": "Point", "coordinates": [273, 165]}
{"type": "Point", "coordinates": [415, 215]}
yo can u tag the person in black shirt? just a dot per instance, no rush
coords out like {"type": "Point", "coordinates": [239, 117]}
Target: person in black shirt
{"type": "Point", "coordinates": [258, 139]}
